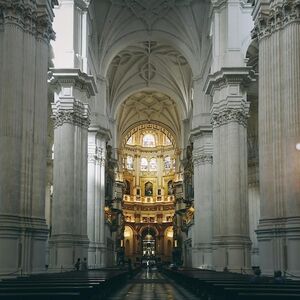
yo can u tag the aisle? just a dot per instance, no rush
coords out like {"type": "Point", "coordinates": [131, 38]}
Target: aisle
{"type": "Point", "coordinates": [152, 286]}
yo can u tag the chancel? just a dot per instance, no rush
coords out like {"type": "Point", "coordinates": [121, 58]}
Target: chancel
{"type": "Point", "coordinates": [149, 134]}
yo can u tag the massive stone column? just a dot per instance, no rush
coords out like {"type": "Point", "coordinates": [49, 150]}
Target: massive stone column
{"type": "Point", "coordinates": [69, 240]}
{"type": "Point", "coordinates": [231, 243]}
{"type": "Point", "coordinates": [203, 218]}
{"type": "Point", "coordinates": [277, 28]}
{"type": "Point", "coordinates": [25, 32]}
{"type": "Point", "coordinates": [97, 138]}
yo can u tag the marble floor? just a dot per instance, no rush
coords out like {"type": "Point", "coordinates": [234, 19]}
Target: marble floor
{"type": "Point", "coordinates": [152, 286]}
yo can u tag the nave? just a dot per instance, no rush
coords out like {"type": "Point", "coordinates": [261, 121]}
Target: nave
{"type": "Point", "coordinates": [152, 285]}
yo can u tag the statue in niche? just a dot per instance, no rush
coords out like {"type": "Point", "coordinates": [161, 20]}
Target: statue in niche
{"type": "Point", "coordinates": [170, 188]}
{"type": "Point", "coordinates": [189, 174]}
{"type": "Point", "coordinates": [127, 187]}
{"type": "Point", "coordinates": [148, 188]}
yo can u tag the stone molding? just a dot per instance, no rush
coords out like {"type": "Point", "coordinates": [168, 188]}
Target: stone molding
{"type": "Point", "coordinates": [229, 76]}
{"type": "Point", "coordinates": [278, 227]}
{"type": "Point", "coordinates": [74, 77]}
{"type": "Point", "coordinates": [229, 115]}
{"type": "Point", "coordinates": [275, 18]}
{"type": "Point", "coordinates": [75, 113]}
{"type": "Point", "coordinates": [30, 16]}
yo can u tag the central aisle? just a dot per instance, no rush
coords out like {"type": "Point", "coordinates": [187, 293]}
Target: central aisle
{"type": "Point", "coordinates": [152, 286]}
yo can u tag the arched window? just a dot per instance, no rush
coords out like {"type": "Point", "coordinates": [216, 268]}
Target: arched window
{"type": "Point", "coordinates": [130, 141]}
{"type": "Point", "coordinates": [167, 141]}
{"type": "Point", "coordinates": [129, 162]}
{"type": "Point", "coordinates": [144, 164]}
{"type": "Point", "coordinates": [168, 162]}
{"type": "Point", "coordinates": [148, 140]}
{"type": "Point", "coordinates": [153, 164]}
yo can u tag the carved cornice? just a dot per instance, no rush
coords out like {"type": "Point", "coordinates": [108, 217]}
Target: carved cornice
{"type": "Point", "coordinates": [229, 76]}
{"type": "Point", "coordinates": [276, 18]}
{"type": "Point", "coordinates": [200, 131]}
{"type": "Point", "coordinates": [78, 79]}
{"type": "Point", "coordinates": [75, 113]}
{"type": "Point", "coordinates": [30, 16]}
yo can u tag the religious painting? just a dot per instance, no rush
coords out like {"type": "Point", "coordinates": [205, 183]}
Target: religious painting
{"type": "Point", "coordinates": [148, 188]}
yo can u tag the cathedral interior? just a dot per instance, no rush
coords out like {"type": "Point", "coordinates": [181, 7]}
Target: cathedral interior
{"type": "Point", "coordinates": [162, 132]}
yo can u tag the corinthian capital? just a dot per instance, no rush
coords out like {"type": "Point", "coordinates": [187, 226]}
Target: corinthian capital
{"type": "Point", "coordinates": [32, 16]}
{"type": "Point", "coordinates": [73, 112]}
{"type": "Point", "coordinates": [274, 17]}
{"type": "Point", "coordinates": [228, 115]}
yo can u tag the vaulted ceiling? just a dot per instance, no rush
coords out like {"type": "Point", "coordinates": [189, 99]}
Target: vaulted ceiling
{"type": "Point", "coordinates": [120, 23]}
{"type": "Point", "coordinates": [150, 66]}
{"type": "Point", "coordinates": [148, 51]}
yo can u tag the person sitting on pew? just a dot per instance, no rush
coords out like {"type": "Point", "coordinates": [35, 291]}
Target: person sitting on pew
{"type": "Point", "coordinates": [256, 277]}
{"type": "Point", "coordinates": [278, 278]}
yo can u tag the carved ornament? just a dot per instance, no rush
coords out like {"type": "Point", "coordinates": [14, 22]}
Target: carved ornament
{"type": "Point", "coordinates": [279, 16]}
{"type": "Point", "coordinates": [29, 16]}
{"type": "Point", "coordinates": [77, 114]}
{"type": "Point", "coordinates": [229, 115]}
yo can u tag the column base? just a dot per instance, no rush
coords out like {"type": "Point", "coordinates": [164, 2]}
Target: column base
{"type": "Point", "coordinates": [202, 256]}
{"type": "Point", "coordinates": [279, 245]}
{"type": "Point", "coordinates": [97, 256]}
{"type": "Point", "coordinates": [65, 249]}
{"type": "Point", "coordinates": [22, 245]}
{"type": "Point", "coordinates": [254, 256]}
{"type": "Point", "coordinates": [232, 252]}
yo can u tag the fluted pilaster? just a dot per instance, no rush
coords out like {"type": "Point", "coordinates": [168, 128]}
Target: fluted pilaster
{"type": "Point", "coordinates": [231, 243]}
{"type": "Point", "coordinates": [277, 27]}
{"type": "Point", "coordinates": [69, 241]}
{"type": "Point", "coordinates": [203, 215]}
{"type": "Point", "coordinates": [97, 138]}
{"type": "Point", "coordinates": [25, 33]}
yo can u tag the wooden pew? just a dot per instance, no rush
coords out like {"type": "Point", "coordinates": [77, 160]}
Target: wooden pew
{"type": "Point", "coordinates": [60, 286]}
{"type": "Point", "coordinates": [225, 285]}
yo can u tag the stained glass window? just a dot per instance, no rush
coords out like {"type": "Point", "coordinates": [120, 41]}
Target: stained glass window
{"type": "Point", "coordinates": [167, 162]}
{"type": "Point", "coordinates": [129, 162]}
{"type": "Point", "coordinates": [144, 164]}
{"type": "Point", "coordinates": [153, 164]}
{"type": "Point", "coordinates": [167, 141]}
{"type": "Point", "coordinates": [148, 140]}
{"type": "Point", "coordinates": [130, 141]}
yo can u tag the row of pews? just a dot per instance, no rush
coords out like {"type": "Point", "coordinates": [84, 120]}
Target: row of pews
{"type": "Point", "coordinates": [83, 285]}
{"type": "Point", "coordinates": [214, 285]}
